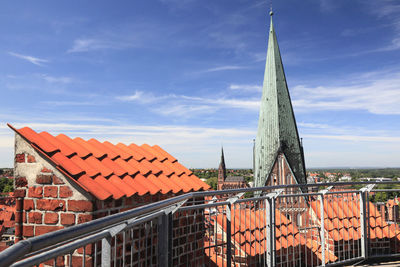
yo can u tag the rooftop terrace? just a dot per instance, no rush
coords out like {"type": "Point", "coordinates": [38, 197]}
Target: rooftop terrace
{"type": "Point", "coordinates": [317, 225]}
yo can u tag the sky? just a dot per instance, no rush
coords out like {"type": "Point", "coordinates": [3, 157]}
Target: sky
{"type": "Point", "coordinates": [187, 75]}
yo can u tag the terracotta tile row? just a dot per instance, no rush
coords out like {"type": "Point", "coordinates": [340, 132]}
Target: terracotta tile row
{"type": "Point", "coordinates": [107, 170]}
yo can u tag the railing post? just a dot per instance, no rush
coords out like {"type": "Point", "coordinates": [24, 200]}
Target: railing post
{"type": "Point", "coordinates": [164, 240]}
{"type": "Point", "coordinates": [363, 223]}
{"type": "Point", "coordinates": [322, 230]}
{"type": "Point", "coordinates": [106, 252]}
{"type": "Point", "coordinates": [228, 235]}
{"type": "Point", "coordinates": [270, 223]}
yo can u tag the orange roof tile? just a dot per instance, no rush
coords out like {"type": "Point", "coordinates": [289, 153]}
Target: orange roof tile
{"type": "Point", "coordinates": [112, 171]}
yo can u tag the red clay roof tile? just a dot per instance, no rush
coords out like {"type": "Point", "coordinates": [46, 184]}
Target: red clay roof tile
{"type": "Point", "coordinates": [81, 151]}
{"type": "Point", "coordinates": [96, 189]}
{"type": "Point", "coordinates": [124, 155]}
{"type": "Point", "coordinates": [106, 170]}
{"type": "Point", "coordinates": [163, 152]}
{"type": "Point", "coordinates": [98, 153]}
{"type": "Point", "coordinates": [66, 150]}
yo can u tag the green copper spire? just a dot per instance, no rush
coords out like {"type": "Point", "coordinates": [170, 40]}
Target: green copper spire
{"type": "Point", "coordinates": [277, 130]}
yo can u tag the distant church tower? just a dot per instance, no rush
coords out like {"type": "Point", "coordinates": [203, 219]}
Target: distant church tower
{"type": "Point", "coordinates": [228, 182]}
{"type": "Point", "coordinates": [221, 171]}
{"type": "Point", "coordinates": [278, 153]}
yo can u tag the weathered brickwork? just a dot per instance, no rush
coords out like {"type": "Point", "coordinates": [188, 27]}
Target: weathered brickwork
{"type": "Point", "coordinates": [47, 201]}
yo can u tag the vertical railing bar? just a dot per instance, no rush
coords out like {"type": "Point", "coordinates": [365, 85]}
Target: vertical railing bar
{"type": "Point", "coordinates": [363, 225]}
{"type": "Point", "coordinates": [106, 252]}
{"type": "Point", "coordinates": [233, 211]}
{"type": "Point", "coordinates": [55, 262]}
{"type": "Point", "coordinates": [215, 234]}
{"type": "Point", "coordinates": [84, 256]}
{"type": "Point", "coordinates": [265, 233]}
{"type": "Point", "coordinates": [146, 227]}
{"type": "Point", "coordinates": [228, 236]}
{"type": "Point", "coordinates": [123, 247]}
{"type": "Point", "coordinates": [139, 244]}
{"type": "Point", "coordinates": [322, 230]}
{"type": "Point", "coordinates": [115, 251]}
{"type": "Point", "coordinates": [151, 241]}
{"type": "Point", "coordinates": [95, 254]}
{"type": "Point", "coordinates": [132, 245]}
{"type": "Point", "coordinates": [209, 232]}
{"type": "Point", "coordinates": [187, 238]}
{"type": "Point", "coordinates": [70, 259]}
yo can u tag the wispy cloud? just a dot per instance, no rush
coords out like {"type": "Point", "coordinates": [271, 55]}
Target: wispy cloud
{"type": "Point", "coordinates": [224, 68]}
{"type": "Point", "coordinates": [377, 93]}
{"type": "Point", "coordinates": [85, 45]}
{"type": "Point", "coordinates": [183, 105]}
{"type": "Point", "coordinates": [246, 87]}
{"type": "Point", "coordinates": [327, 5]}
{"type": "Point", "coordinates": [34, 60]}
{"type": "Point", "coordinates": [53, 79]}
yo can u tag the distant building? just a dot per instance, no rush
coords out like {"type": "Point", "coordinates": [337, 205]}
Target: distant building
{"type": "Point", "coordinates": [228, 182]}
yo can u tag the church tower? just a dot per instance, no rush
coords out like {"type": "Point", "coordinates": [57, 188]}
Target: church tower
{"type": "Point", "coordinates": [221, 171]}
{"type": "Point", "coordinates": [278, 153]}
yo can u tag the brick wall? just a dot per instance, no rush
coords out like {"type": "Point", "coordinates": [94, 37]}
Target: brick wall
{"type": "Point", "coordinates": [47, 200]}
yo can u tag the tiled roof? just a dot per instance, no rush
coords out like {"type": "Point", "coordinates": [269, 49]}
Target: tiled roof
{"type": "Point", "coordinates": [113, 171]}
{"type": "Point", "coordinates": [249, 229]}
{"type": "Point", "coordinates": [342, 220]}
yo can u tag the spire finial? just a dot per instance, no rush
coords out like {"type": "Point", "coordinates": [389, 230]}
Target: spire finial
{"type": "Point", "coordinates": [271, 13]}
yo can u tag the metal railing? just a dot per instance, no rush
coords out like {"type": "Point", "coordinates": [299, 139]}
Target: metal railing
{"type": "Point", "coordinates": [308, 225]}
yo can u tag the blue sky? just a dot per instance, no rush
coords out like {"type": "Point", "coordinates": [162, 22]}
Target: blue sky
{"type": "Point", "coordinates": [187, 75]}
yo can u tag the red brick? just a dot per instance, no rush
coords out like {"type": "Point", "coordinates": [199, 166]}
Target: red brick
{"type": "Point", "coordinates": [77, 261]}
{"type": "Point", "coordinates": [45, 170]}
{"type": "Point", "coordinates": [88, 249]}
{"type": "Point", "coordinates": [36, 192]}
{"type": "Point", "coordinates": [65, 191]}
{"type": "Point", "coordinates": [67, 218]}
{"type": "Point", "coordinates": [50, 204]}
{"type": "Point", "coordinates": [20, 158]}
{"type": "Point", "coordinates": [82, 218]}
{"type": "Point", "coordinates": [43, 179]}
{"type": "Point", "coordinates": [44, 229]}
{"type": "Point", "coordinates": [31, 159]}
{"type": "Point", "coordinates": [21, 182]}
{"type": "Point", "coordinates": [50, 218]}
{"type": "Point", "coordinates": [19, 193]}
{"type": "Point", "coordinates": [51, 191]}
{"type": "Point", "coordinates": [80, 205]}
{"type": "Point", "coordinates": [27, 230]}
{"type": "Point", "coordinates": [57, 180]}
{"type": "Point", "coordinates": [29, 204]}
{"type": "Point", "coordinates": [59, 262]}
{"type": "Point", "coordinates": [35, 217]}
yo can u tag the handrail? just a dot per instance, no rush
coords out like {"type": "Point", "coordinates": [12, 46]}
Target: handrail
{"type": "Point", "coordinates": [36, 244]}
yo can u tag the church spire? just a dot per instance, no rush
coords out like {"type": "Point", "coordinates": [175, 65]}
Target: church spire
{"type": "Point", "coordinates": [277, 131]}
{"type": "Point", "coordinates": [221, 170]}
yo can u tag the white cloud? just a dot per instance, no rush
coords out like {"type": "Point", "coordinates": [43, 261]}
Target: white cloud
{"type": "Point", "coordinates": [52, 79]}
{"type": "Point", "coordinates": [34, 60]}
{"type": "Point", "coordinates": [377, 93]}
{"type": "Point", "coordinates": [136, 96]}
{"type": "Point", "coordinates": [91, 44]}
{"type": "Point", "coordinates": [246, 87]}
{"type": "Point", "coordinates": [224, 68]}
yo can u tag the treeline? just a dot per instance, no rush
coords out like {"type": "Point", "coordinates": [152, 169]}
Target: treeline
{"type": "Point", "coordinates": [364, 173]}
{"type": "Point", "coordinates": [211, 175]}
{"type": "Point", "coordinates": [6, 185]}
